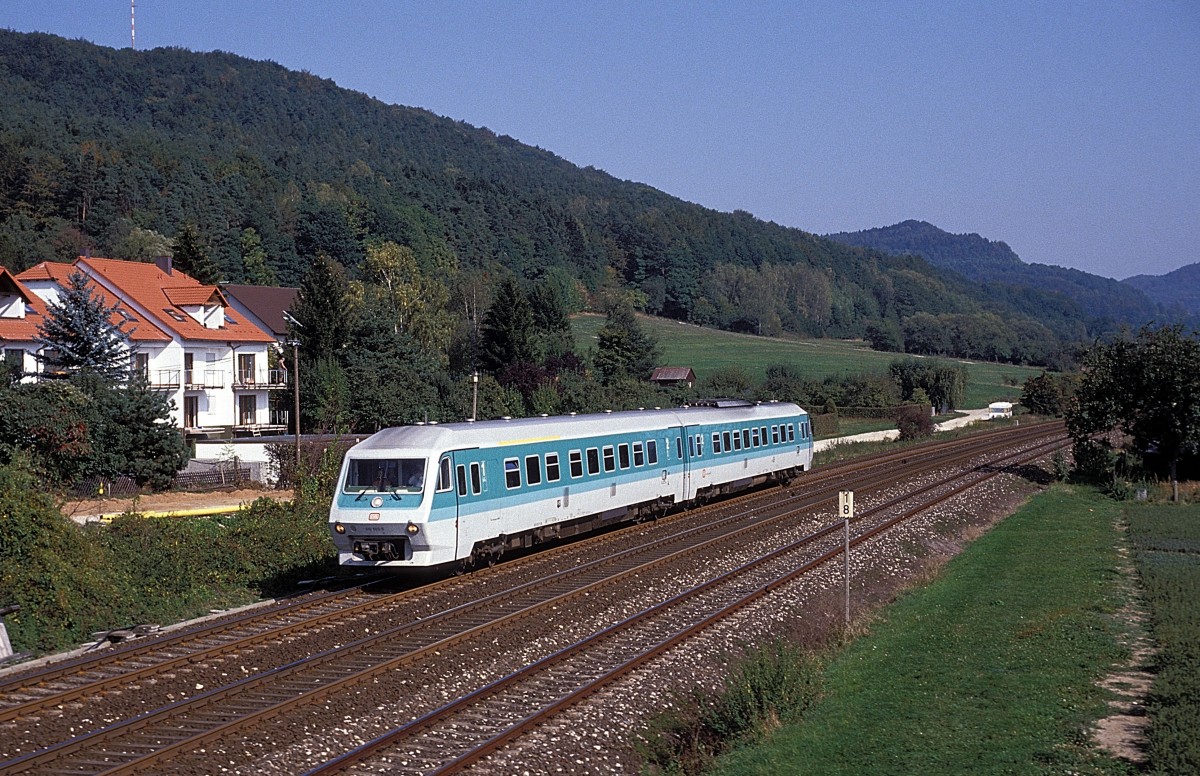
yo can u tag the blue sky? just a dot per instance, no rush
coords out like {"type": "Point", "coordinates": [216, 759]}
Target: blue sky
{"type": "Point", "coordinates": [1069, 130]}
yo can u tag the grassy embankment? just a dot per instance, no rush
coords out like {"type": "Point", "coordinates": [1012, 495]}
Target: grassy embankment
{"type": "Point", "coordinates": [705, 350]}
{"type": "Point", "coordinates": [992, 668]}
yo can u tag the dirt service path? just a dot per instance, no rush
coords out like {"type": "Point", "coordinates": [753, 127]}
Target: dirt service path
{"type": "Point", "coordinates": [91, 509]}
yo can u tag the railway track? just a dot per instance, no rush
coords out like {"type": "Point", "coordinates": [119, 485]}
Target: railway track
{"type": "Point", "coordinates": [147, 742]}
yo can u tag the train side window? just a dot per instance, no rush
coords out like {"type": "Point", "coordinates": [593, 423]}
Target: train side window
{"type": "Point", "coordinates": [745, 437]}
{"type": "Point", "coordinates": [691, 447]}
{"type": "Point", "coordinates": [576, 461]}
{"type": "Point", "coordinates": [593, 458]}
{"type": "Point", "coordinates": [737, 440]}
{"type": "Point", "coordinates": [699, 444]}
{"type": "Point", "coordinates": [774, 435]}
{"type": "Point", "coordinates": [551, 467]}
{"type": "Point", "coordinates": [610, 458]}
{"type": "Point", "coordinates": [755, 441]}
{"type": "Point", "coordinates": [444, 481]}
{"type": "Point", "coordinates": [533, 470]}
{"type": "Point", "coordinates": [623, 455]}
{"type": "Point", "coordinates": [678, 448]}
{"type": "Point", "coordinates": [461, 470]}
{"type": "Point", "coordinates": [762, 435]}
{"type": "Point", "coordinates": [652, 452]}
{"type": "Point", "coordinates": [791, 433]}
{"type": "Point", "coordinates": [728, 444]}
{"type": "Point", "coordinates": [476, 479]}
{"type": "Point", "coordinates": [639, 454]}
{"type": "Point", "coordinates": [512, 473]}
{"type": "Point", "coordinates": [716, 443]}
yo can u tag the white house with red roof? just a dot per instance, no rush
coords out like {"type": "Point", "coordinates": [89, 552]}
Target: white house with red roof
{"type": "Point", "coordinates": [189, 343]}
{"type": "Point", "coordinates": [21, 312]}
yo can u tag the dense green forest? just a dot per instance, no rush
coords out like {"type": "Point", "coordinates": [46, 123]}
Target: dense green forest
{"type": "Point", "coordinates": [1103, 302]}
{"type": "Point", "coordinates": [124, 153]}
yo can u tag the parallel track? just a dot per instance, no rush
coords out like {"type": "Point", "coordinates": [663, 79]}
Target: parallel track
{"type": "Point", "coordinates": [150, 739]}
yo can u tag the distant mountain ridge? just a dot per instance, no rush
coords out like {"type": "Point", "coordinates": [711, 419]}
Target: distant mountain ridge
{"type": "Point", "coordinates": [1000, 269]}
{"type": "Point", "coordinates": [1177, 289]}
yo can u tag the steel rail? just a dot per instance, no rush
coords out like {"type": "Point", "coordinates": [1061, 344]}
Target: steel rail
{"type": "Point", "coordinates": [498, 740]}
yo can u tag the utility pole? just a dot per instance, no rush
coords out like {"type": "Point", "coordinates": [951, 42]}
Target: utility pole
{"type": "Point", "coordinates": [296, 398]}
{"type": "Point", "coordinates": [132, 25]}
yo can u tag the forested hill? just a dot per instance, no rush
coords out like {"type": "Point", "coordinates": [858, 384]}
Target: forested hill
{"type": "Point", "coordinates": [994, 264]}
{"type": "Point", "coordinates": [117, 151]}
{"type": "Point", "coordinates": [1180, 288]}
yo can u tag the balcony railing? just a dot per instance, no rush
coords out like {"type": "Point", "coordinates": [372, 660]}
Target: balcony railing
{"type": "Point", "coordinates": [199, 380]}
{"type": "Point", "coordinates": [257, 380]}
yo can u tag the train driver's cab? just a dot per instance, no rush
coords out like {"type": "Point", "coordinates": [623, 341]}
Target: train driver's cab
{"type": "Point", "coordinates": [385, 475]}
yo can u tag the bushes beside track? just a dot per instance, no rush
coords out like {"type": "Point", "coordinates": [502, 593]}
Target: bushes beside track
{"type": "Point", "coordinates": [73, 580]}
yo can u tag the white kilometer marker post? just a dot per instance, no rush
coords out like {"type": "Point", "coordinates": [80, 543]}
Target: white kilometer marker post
{"type": "Point", "coordinates": [846, 509]}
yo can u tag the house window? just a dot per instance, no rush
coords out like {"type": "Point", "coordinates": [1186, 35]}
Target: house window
{"type": "Point", "coordinates": [191, 412]}
{"type": "Point", "coordinates": [139, 364]}
{"type": "Point", "coordinates": [246, 368]}
{"type": "Point", "coordinates": [247, 410]}
{"type": "Point", "coordinates": [15, 357]}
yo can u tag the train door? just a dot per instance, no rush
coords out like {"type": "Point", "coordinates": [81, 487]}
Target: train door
{"type": "Point", "coordinates": [686, 447]}
{"type": "Point", "coordinates": [466, 487]}
{"type": "Point", "coordinates": [443, 515]}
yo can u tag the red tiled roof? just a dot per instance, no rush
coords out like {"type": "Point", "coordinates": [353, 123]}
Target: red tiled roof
{"type": "Point", "coordinates": [160, 295]}
{"type": "Point", "coordinates": [126, 319]}
{"type": "Point", "coordinates": [194, 296]}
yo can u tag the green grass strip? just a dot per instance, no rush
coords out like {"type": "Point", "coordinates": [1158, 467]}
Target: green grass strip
{"type": "Point", "coordinates": [989, 669]}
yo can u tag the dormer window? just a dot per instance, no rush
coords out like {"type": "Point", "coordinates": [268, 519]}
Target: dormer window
{"type": "Point", "coordinates": [12, 306]}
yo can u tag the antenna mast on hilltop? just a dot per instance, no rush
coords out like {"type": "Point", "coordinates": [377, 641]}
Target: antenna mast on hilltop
{"type": "Point", "coordinates": [132, 25]}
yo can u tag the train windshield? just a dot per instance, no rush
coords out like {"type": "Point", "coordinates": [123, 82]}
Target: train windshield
{"type": "Point", "coordinates": [406, 475]}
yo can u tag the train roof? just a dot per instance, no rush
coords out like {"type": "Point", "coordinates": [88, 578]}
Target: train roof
{"type": "Point", "coordinates": [497, 433]}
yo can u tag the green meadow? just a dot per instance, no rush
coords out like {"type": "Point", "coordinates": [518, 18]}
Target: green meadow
{"type": "Point", "coordinates": [990, 669]}
{"type": "Point", "coordinates": [706, 350]}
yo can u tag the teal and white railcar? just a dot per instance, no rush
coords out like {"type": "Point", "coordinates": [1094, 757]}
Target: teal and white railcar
{"type": "Point", "coordinates": [430, 495]}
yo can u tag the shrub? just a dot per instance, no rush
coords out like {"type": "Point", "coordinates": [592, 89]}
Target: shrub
{"type": "Point", "coordinates": [914, 422]}
{"type": "Point", "coordinates": [765, 687]}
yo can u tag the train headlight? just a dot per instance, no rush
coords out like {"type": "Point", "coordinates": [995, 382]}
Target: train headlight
{"type": "Point", "coordinates": [339, 528]}
{"type": "Point", "coordinates": [412, 529]}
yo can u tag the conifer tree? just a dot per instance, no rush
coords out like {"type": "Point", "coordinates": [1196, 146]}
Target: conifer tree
{"type": "Point", "coordinates": [79, 335]}
{"type": "Point", "coordinates": [191, 257]}
{"type": "Point", "coordinates": [623, 348]}
{"type": "Point", "coordinates": [508, 331]}
{"type": "Point", "coordinates": [254, 260]}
